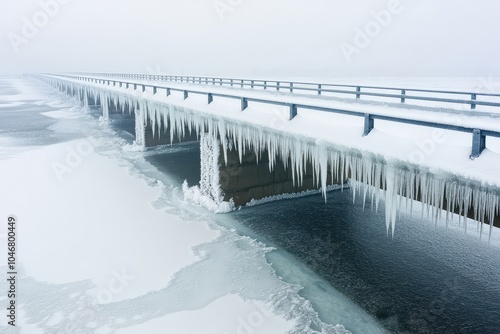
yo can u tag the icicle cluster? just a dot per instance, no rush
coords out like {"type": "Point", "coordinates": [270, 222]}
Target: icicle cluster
{"type": "Point", "coordinates": [373, 178]}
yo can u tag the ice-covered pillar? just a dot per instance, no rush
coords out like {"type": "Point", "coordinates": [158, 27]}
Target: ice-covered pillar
{"type": "Point", "coordinates": [140, 128]}
{"type": "Point", "coordinates": [209, 178]}
{"type": "Point", "coordinates": [85, 98]}
{"type": "Point", "coordinates": [105, 106]}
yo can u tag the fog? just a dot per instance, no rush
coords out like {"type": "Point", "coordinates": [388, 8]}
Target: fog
{"type": "Point", "coordinates": [252, 37]}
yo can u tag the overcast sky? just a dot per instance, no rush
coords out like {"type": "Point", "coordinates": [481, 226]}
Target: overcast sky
{"type": "Point", "coordinates": [252, 37]}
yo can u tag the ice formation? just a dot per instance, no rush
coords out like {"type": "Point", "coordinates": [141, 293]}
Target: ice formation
{"type": "Point", "coordinates": [209, 193]}
{"type": "Point", "coordinates": [401, 184]}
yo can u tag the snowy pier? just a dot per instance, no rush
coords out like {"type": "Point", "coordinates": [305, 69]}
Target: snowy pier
{"type": "Point", "coordinates": [255, 147]}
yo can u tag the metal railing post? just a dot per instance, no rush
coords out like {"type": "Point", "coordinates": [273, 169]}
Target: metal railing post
{"type": "Point", "coordinates": [478, 143]}
{"type": "Point", "coordinates": [143, 88]}
{"type": "Point", "coordinates": [265, 85]}
{"type": "Point", "coordinates": [369, 125]}
{"type": "Point", "coordinates": [319, 89]}
{"type": "Point", "coordinates": [358, 92]}
{"type": "Point", "coordinates": [244, 103]}
{"type": "Point", "coordinates": [403, 93]}
{"type": "Point", "coordinates": [155, 90]}
{"type": "Point", "coordinates": [277, 86]}
{"type": "Point", "coordinates": [168, 91]}
{"type": "Point", "coordinates": [291, 87]}
{"type": "Point", "coordinates": [186, 94]}
{"type": "Point", "coordinates": [473, 98]}
{"type": "Point", "coordinates": [293, 111]}
{"type": "Point", "coordinates": [210, 98]}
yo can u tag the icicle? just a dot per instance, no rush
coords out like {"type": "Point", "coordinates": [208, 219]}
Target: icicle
{"type": "Point", "coordinates": [391, 198]}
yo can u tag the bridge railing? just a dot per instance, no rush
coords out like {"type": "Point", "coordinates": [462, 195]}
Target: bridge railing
{"type": "Point", "coordinates": [357, 91]}
{"type": "Point", "coordinates": [478, 135]}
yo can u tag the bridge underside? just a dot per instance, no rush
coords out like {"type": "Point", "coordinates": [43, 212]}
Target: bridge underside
{"type": "Point", "coordinates": [252, 178]}
{"type": "Point", "coordinates": [143, 132]}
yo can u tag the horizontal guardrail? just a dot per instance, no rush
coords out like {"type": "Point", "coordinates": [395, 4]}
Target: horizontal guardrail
{"type": "Point", "coordinates": [478, 135]}
{"type": "Point", "coordinates": [357, 90]}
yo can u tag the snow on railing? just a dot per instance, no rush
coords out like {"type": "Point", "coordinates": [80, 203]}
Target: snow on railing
{"type": "Point", "coordinates": [401, 94]}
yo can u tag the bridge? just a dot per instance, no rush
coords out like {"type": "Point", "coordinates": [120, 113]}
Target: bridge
{"type": "Point", "coordinates": [262, 138]}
